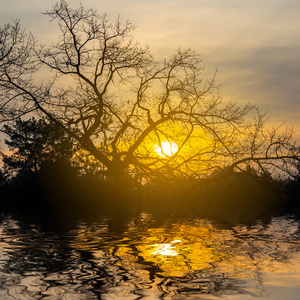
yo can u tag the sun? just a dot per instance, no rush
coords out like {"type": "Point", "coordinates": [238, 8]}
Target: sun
{"type": "Point", "coordinates": [166, 149]}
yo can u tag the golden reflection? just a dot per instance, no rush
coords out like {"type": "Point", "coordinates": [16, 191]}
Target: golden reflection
{"type": "Point", "coordinates": [184, 248]}
{"type": "Point", "coordinates": [174, 252]}
{"type": "Point", "coordinates": [158, 259]}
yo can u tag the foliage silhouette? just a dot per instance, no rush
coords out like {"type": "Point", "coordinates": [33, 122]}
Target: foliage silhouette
{"type": "Point", "coordinates": [33, 143]}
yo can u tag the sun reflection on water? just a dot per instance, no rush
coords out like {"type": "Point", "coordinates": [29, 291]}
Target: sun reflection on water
{"type": "Point", "coordinates": [166, 259]}
{"type": "Point", "coordinates": [166, 249]}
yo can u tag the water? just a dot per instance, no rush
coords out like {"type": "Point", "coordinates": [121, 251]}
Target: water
{"type": "Point", "coordinates": [147, 257]}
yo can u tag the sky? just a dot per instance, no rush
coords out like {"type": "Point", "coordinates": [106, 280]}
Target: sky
{"type": "Point", "coordinates": [254, 44]}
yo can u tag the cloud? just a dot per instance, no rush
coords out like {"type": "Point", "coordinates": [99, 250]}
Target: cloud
{"type": "Point", "coordinates": [254, 44]}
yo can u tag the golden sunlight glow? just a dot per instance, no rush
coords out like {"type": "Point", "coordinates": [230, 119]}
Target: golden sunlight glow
{"type": "Point", "coordinates": [166, 148]}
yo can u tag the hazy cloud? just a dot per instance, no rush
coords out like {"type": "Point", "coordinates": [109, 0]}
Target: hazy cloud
{"type": "Point", "coordinates": [254, 44]}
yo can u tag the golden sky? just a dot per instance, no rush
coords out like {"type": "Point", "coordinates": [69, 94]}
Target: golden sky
{"type": "Point", "coordinates": [254, 44]}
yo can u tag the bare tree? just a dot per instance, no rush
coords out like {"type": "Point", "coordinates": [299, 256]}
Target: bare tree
{"type": "Point", "coordinates": [133, 114]}
{"type": "Point", "coordinates": [16, 65]}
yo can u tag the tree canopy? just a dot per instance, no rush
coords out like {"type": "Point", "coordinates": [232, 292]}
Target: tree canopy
{"type": "Point", "coordinates": [33, 143]}
{"type": "Point", "coordinates": [133, 114]}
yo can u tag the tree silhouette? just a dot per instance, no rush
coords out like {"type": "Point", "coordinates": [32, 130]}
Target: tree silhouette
{"type": "Point", "coordinates": [119, 104]}
{"type": "Point", "coordinates": [17, 66]}
{"type": "Point", "coordinates": [33, 143]}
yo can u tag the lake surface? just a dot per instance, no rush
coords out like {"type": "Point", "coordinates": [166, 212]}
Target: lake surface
{"type": "Point", "coordinates": [148, 257]}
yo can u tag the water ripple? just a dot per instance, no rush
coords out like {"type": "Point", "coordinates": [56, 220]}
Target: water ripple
{"type": "Point", "coordinates": [150, 257]}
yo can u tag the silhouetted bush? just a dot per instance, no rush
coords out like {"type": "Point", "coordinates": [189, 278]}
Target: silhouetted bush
{"type": "Point", "coordinates": [238, 195]}
{"type": "Point", "coordinates": [292, 191]}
